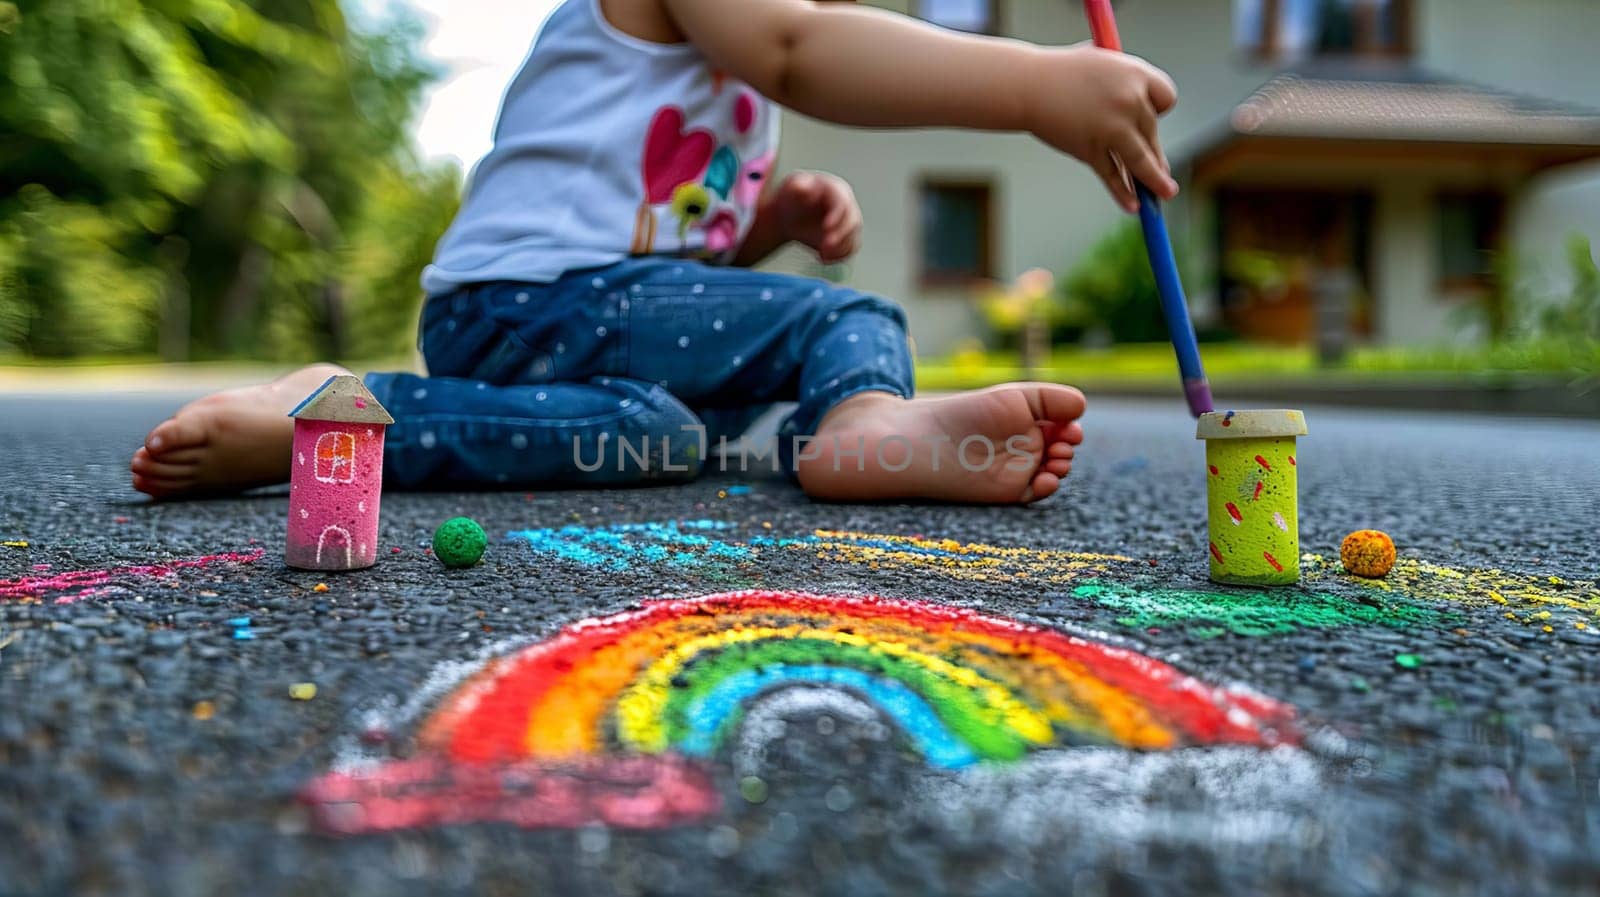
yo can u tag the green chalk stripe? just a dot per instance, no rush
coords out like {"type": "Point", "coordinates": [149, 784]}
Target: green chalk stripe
{"type": "Point", "coordinates": [972, 720]}
{"type": "Point", "coordinates": [1248, 613]}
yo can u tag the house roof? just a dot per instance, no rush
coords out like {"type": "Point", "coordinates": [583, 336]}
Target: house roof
{"type": "Point", "coordinates": [1399, 104]}
{"type": "Point", "coordinates": [343, 398]}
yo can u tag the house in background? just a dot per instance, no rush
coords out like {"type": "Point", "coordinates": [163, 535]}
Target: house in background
{"type": "Point", "coordinates": [1368, 160]}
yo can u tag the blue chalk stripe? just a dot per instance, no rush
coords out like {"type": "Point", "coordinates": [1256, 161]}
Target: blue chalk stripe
{"type": "Point", "coordinates": [724, 703]}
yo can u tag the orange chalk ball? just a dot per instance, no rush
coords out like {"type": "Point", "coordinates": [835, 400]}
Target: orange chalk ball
{"type": "Point", "coordinates": [1367, 552]}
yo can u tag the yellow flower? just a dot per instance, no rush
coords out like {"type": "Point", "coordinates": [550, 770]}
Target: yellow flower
{"type": "Point", "coordinates": [690, 202]}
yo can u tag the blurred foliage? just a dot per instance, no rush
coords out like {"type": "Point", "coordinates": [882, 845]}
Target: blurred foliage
{"type": "Point", "coordinates": [1521, 307]}
{"type": "Point", "coordinates": [1112, 287]}
{"type": "Point", "coordinates": [1576, 315]}
{"type": "Point", "coordinates": [211, 178]}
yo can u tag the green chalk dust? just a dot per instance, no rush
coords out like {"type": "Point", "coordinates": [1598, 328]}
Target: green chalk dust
{"type": "Point", "coordinates": [1209, 614]}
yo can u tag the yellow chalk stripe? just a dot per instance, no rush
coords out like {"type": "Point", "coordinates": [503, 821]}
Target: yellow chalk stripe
{"type": "Point", "coordinates": [1425, 581]}
{"type": "Point", "coordinates": [640, 709]}
{"type": "Point", "coordinates": [971, 560]}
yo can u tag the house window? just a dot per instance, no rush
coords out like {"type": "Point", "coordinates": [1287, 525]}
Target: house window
{"type": "Point", "coordinates": [1297, 29]}
{"type": "Point", "coordinates": [336, 458]}
{"type": "Point", "coordinates": [976, 16]}
{"type": "Point", "coordinates": [957, 231]}
{"type": "Point", "coordinates": [1469, 237]}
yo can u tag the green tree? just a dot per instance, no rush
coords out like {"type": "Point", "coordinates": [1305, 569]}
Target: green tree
{"type": "Point", "coordinates": [1112, 286]}
{"type": "Point", "coordinates": [203, 177]}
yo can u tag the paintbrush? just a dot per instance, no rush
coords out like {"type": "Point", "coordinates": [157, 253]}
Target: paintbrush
{"type": "Point", "coordinates": [1158, 246]}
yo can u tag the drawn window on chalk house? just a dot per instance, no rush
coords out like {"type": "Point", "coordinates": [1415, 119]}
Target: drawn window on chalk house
{"type": "Point", "coordinates": [336, 458]}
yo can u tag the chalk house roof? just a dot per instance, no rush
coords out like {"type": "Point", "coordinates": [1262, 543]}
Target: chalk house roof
{"type": "Point", "coordinates": [343, 398]}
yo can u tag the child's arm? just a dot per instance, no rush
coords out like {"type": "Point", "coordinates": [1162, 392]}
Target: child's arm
{"type": "Point", "coordinates": [871, 68]}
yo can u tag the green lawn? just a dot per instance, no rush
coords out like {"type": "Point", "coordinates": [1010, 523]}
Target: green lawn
{"type": "Point", "coordinates": [1152, 363]}
{"type": "Point", "coordinates": [1133, 365]}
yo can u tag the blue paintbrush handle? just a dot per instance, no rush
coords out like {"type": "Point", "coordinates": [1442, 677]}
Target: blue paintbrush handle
{"type": "Point", "coordinates": [1174, 306]}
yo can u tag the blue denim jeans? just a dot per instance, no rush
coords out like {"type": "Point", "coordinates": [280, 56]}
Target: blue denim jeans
{"type": "Point", "coordinates": [628, 373]}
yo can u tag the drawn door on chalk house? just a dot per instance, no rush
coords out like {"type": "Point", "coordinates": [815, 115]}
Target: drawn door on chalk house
{"type": "Point", "coordinates": [334, 537]}
{"type": "Point", "coordinates": [336, 458]}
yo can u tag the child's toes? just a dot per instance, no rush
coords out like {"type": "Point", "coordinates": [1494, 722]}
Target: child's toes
{"type": "Point", "coordinates": [1058, 466]}
{"type": "Point", "coordinates": [147, 466]}
{"type": "Point", "coordinates": [1060, 450]}
{"type": "Point", "coordinates": [1060, 404]}
{"type": "Point", "coordinates": [1071, 433]}
{"type": "Point", "coordinates": [1044, 485]}
{"type": "Point", "coordinates": [175, 433]}
{"type": "Point", "coordinates": [157, 487]}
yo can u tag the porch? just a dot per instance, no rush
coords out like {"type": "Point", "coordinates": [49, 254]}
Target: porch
{"type": "Point", "coordinates": [1370, 204]}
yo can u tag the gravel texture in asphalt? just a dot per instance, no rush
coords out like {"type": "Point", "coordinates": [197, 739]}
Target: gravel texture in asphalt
{"type": "Point", "coordinates": [157, 735]}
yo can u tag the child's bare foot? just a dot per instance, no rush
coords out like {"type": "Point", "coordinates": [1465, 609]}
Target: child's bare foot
{"type": "Point", "coordinates": [227, 442]}
{"type": "Point", "coordinates": [1003, 445]}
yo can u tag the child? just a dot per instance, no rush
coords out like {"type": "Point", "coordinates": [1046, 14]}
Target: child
{"type": "Point", "coordinates": [593, 296]}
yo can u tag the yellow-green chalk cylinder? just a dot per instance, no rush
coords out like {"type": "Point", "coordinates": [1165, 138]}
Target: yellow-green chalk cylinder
{"type": "Point", "coordinates": [1252, 499]}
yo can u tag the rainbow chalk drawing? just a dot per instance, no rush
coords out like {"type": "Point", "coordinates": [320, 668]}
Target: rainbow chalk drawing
{"type": "Point", "coordinates": [76, 585]}
{"type": "Point", "coordinates": [1252, 495]}
{"type": "Point", "coordinates": [336, 478]}
{"type": "Point", "coordinates": [612, 719]}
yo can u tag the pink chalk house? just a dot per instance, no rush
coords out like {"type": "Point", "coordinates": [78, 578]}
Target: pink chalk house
{"type": "Point", "coordinates": [337, 477]}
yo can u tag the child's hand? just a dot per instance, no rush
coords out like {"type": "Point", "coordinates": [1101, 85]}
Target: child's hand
{"type": "Point", "coordinates": [1094, 104]}
{"type": "Point", "coordinates": [819, 210]}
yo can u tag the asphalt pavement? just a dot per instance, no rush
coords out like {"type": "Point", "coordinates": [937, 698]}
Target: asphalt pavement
{"type": "Point", "coordinates": [1446, 721]}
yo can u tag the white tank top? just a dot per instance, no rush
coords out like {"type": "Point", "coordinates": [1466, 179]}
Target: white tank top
{"type": "Point", "coordinates": [609, 146]}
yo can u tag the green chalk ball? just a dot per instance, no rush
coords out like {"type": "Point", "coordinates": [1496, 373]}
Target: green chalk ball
{"type": "Point", "coordinates": [459, 542]}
